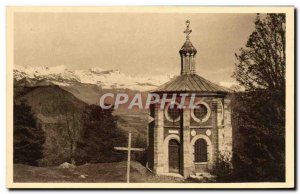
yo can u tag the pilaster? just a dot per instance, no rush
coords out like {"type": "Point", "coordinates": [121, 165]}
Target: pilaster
{"type": "Point", "coordinates": [158, 139]}
{"type": "Point", "coordinates": [187, 156]}
{"type": "Point", "coordinates": [215, 131]}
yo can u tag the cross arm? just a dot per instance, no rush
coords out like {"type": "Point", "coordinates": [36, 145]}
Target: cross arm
{"type": "Point", "coordinates": [132, 149]}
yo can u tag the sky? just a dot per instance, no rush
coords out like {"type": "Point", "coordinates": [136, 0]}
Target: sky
{"type": "Point", "coordinates": [134, 43]}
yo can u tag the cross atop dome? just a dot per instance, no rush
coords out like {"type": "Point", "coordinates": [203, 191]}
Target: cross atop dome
{"type": "Point", "coordinates": [187, 53]}
{"type": "Point", "coordinates": [188, 30]}
{"type": "Point", "coordinates": [188, 48]}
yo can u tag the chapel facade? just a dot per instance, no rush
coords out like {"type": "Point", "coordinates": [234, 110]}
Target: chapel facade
{"type": "Point", "coordinates": [188, 140]}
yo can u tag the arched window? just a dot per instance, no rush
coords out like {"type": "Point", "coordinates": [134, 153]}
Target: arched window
{"type": "Point", "coordinates": [200, 151]}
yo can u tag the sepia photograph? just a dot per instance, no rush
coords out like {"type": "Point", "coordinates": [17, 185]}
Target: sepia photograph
{"type": "Point", "coordinates": [150, 97]}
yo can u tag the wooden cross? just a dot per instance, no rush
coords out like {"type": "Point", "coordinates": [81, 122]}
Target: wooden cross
{"type": "Point", "coordinates": [129, 149]}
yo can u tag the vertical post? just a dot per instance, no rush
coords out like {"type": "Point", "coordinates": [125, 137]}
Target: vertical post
{"type": "Point", "coordinates": [185, 64]}
{"type": "Point", "coordinates": [188, 64]}
{"type": "Point", "coordinates": [128, 157]}
{"type": "Point", "coordinates": [183, 57]}
{"type": "Point", "coordinates": [193, 65]}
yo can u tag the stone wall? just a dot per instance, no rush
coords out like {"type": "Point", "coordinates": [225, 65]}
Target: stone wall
{"type": "Point", "coordinates": [219, 140]}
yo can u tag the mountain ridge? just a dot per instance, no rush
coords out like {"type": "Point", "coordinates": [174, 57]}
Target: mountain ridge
{"type": "Point", "coordinates": [106, 79]}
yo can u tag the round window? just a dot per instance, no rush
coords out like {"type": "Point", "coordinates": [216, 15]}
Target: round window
{"type": "Point", "coordinates": [201, 113]}
{"type": "Point", "coordinates": [173, 113]}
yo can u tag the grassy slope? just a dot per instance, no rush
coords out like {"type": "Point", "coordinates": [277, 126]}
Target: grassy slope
{"type": "Point", "coordinates": [96, 173]}
{"type": "Point", "coordinates": [136, 122]}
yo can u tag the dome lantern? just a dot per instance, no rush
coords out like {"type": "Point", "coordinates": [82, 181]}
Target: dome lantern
{"type": "Point", "coordinates": [187, 53]}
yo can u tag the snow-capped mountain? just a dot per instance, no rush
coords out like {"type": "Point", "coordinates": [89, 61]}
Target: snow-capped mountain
{"type": "Point", "coordinates": [106, 79]}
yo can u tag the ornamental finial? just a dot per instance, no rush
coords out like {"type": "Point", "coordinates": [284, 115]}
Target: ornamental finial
{"type": "Point", "coordinates": [187, 30]}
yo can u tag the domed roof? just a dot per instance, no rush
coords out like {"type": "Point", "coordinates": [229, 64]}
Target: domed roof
{"type": "Point", "coordinates": [191, 83]}
{"type": "Point", "coordinates": [188, 48]}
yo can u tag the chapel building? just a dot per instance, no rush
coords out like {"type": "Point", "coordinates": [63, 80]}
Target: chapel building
{"type": "Point", "coordinates": [189, 140]}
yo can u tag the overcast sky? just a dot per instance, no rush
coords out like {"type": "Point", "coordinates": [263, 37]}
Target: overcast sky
{"type": "Point", "coordinates": [134, 43]}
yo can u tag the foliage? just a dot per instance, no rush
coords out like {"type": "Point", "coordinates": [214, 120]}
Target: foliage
{"type": "Point", "coordinates": [100, 135]}
{"type": "Point", "coordinates": [223, 169]}
{"type": "Point", "coordinates": [140, 156]}
{"type": "Point", "coordinates": [261, 64]}
{"type": "Point", "coordinates": [28, 136]}
{"type": "Point", "coordinates": [259, 112]}
{"type": "Point", "coordinates": [70, 116]}
{"type": "Point", "coordinates": [261, 125]}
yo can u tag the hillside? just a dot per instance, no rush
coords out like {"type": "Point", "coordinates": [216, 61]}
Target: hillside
{"type": "Point", "coordinates": [48, 101]}
{"type": "Point", "coordinates": [136, 122]}
{"type": "Point", "coordinates": [54, 108]}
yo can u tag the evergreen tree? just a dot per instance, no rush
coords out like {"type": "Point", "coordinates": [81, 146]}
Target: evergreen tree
{"type": "Point", "coordinates": [140, 156]}
{"type": "Point", "coordinates": [259, 112]}
{"type": "Point", "coordinates": [100, 135]}
{"type": "Point", "coordinates": [28, 137]}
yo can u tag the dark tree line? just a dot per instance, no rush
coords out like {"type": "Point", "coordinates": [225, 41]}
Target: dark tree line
{"type": "Point", "coordinates": [92, 141]}
{"type": "Point", "coordinates": [100, 135]}
{"type": "Point", "coordinates": [259, 111]}
{"type": "Point", "coordinates": [28, 136]}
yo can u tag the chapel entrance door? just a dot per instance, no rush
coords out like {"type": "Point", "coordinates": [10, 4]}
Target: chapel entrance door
{"type": "Point", "coordinates": [200, 154]}
{"type": "Point", "coordinates": [174, 156]}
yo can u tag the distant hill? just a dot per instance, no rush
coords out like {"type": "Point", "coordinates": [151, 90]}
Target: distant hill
{"type": "Point", "coordinates": [88, 93]}
{"type": "Point", "coordinates": [48, 100]}
{"type": "Point", "coordinates": [52, 104]}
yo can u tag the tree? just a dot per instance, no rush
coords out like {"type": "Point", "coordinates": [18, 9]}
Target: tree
{"type": "Point", "coordinates": [100, 135]}
{"type": "Point", "coordinates": [70, 116]}
{"type": "Point", "coordinates": [259, 112]}
{"type": "Point", "coordinates": [140, 142]}
{"type": "Point", "coordinates": [261, 64]}
{"type": "Point", "coordinates": [28, 136]}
